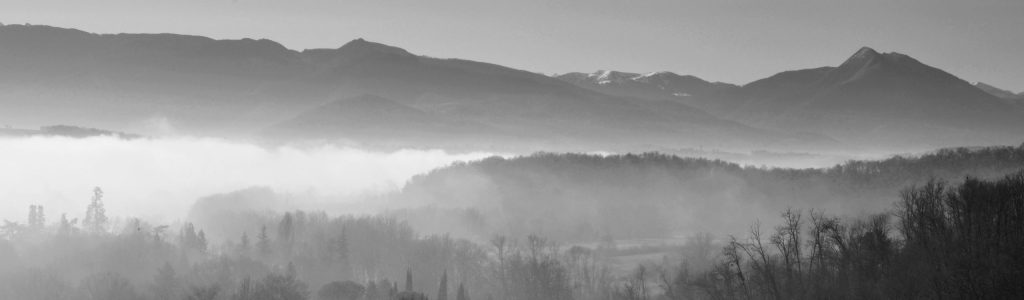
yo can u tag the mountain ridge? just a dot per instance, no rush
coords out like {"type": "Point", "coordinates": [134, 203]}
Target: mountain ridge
{"type": "Point", "coordinates": [241, 87]}
{"type": "Point", "coordinates": [870, 98]}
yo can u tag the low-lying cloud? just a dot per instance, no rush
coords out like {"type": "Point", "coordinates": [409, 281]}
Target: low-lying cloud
{"type": "Point", "coordinates": [159, 179]}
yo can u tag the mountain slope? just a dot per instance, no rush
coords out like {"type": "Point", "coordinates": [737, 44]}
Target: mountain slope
{"type": "Point", "coordinates": [241, 87]}
{"type": "Point", "coordinates": [998, 92]}
{"type": "Point", "coordinates": [376, 119]}
{"type": "Point", "coordinates": [892, 98]}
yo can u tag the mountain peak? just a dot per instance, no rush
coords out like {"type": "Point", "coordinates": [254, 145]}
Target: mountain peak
{"type": "Point", "coordinates": [609, 76]}
{"type": "Point", "coordinates": [362, 46]}
{"type": "Point", "coordinates": [865, 60]}
{"type": "Point", "coordinates": [661, 74]}
{"type": "Point", "coordinates": [671, 78]}
{"type": "Point", "coordinates": [863, 57]}
{"type": "Point", "coordinates": [865, 52]}
{"type": "Point", "coordinates": [998, 92]}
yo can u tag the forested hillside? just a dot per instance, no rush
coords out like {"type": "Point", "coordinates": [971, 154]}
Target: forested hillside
{"type": "Point", "coordinates": [591, 197]}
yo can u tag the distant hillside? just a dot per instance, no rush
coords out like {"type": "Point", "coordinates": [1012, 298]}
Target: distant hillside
{"type": "Point", "coordinates": [998, 92]}
{"type": "Point", "coordinates": [586, 197]}
{"type": "Point", "coordinates": [1005, 95]}
{"type": "Point", "coordinates": [66, 131]}
{"type": "Point", "coordinates": [380, 120]}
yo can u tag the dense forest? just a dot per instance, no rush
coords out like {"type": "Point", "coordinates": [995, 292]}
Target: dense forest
{"type": "Point", "coordinates": [943, 235]}
{"type": "Point", "coordinates": [581, 197]}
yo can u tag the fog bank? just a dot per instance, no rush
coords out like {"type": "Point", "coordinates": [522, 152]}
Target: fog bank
{"type": "Point", "coordinates": [158, 179]}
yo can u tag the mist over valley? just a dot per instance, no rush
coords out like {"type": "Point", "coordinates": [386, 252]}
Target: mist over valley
{"type": "Point", "coordinates": [210, 163]}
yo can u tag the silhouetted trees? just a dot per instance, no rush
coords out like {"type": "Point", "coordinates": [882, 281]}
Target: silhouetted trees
{"type": "Point", "coordinates": [964, 241]}
{"type": "Point", "coordinates": [961, 241]}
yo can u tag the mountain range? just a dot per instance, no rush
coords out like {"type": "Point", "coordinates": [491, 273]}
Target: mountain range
{"type": "Point", "coordinates": [872, 98]}
{"type": "Point", "coordinates": [374, 94]}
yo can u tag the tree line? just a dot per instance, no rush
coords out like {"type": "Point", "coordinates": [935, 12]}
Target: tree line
{"type": "Point", "coordinates": [942, 241]}
{"type": "Point", "coordinates": [292, 255]}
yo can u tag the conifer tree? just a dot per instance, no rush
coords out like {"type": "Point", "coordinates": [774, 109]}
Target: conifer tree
{"type": "Point", "coordinates": [263, 242]}
{"type": "Point", "coordinates": [96, 214]}
{"type": "Point", "coordinates": [40, 216]}
{"type": "Point", "coordinates": [286, 228]}
{"type": "Point", "coordinates": [65, 226]}
{"type": "Point", "coordinates": [31, 215]}
{"type": "Point", "coordinates": [36, 218]}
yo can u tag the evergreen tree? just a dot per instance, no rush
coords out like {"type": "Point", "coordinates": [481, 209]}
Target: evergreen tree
{"type": "Point", "coordinates": [263, 242]}
{"type": "Point", "coordinates": [40, 216]}
{"type": "Point", "coordinates": [96, 214]}
{"type": "Point", "coordinates": [286, 229]}
{"type": "Point", "coordinates": [201, 243]}
{"type": "Point", "coordinates": [36, 217]}
{"type": "Point", "coordinates": [189, 239]}
{"type": "Point", "coordinates": [65, 227]}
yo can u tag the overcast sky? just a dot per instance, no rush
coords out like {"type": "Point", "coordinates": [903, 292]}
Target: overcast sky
{"type": "Point", "coordinates": [722, 40]}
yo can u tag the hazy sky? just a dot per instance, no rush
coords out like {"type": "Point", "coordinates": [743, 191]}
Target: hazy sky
{"type": "Point", "coordinates": [733, 41]}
